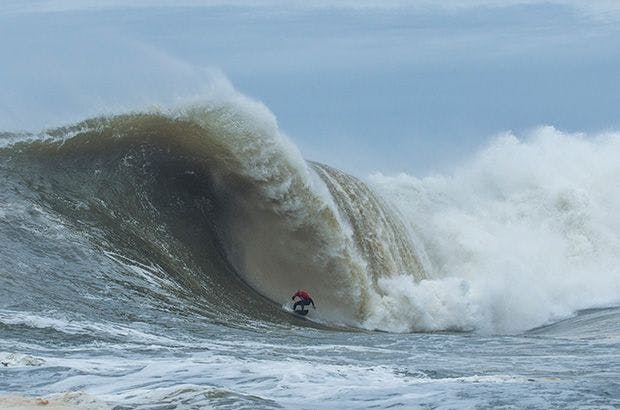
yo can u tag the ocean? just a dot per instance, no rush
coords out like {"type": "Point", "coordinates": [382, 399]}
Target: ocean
{"type": "Point", "coordinates": [148, 261]}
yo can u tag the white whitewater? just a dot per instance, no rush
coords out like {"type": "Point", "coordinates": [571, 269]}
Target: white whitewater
{"type": "Point", "coordinates": [523, 234]}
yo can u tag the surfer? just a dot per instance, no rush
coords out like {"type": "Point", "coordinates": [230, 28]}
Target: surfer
{"type": "Point", "coordinates": [304, 300]}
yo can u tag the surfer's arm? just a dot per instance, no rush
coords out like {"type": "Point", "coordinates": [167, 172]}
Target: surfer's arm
{"type": "Point", "coordinates": [312, 301]}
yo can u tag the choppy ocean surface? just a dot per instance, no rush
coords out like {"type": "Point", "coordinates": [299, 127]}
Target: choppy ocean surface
{"type": "Point", "coordinates": [148, 259]}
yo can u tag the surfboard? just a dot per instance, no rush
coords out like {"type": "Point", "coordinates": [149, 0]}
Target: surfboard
{"type": "Point", "coordinates": [299, 313]}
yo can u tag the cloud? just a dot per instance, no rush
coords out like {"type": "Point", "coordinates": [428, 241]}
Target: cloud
{"type": "Point", "coordinates": [597, 7]}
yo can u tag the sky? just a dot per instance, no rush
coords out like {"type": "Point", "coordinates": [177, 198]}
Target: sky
{"type": "Point", "coordinates": [388, 86]}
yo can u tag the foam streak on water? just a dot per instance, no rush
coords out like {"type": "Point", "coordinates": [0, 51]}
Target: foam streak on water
{"type": "Point", "coordinates": [283, 368]}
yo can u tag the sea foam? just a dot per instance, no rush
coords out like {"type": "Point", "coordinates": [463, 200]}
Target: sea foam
{"type": "Point", "coordinates": [523, 234]}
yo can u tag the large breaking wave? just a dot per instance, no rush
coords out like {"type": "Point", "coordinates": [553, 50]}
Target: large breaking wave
{"type": "Point", "coordinates": [216, 193]}
{"type": "Point", "coordinates": [214, 199]}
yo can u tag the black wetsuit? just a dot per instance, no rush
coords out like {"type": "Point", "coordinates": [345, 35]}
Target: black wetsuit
{"type": "Point", "coordinates": [303, 303]}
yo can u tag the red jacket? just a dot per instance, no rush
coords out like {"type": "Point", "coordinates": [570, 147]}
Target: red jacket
{"type": "Point", "coordinates": [302, 294]}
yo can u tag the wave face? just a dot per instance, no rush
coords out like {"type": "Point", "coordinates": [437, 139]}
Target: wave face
{"type": "Point", "coordinates": [212, 209]}
{"type": "Point", "coordinates": [215, 202]}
